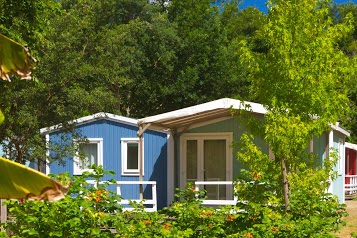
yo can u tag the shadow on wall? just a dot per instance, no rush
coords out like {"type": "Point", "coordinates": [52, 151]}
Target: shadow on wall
{"type": "Point", "coordinates": [159, 175]}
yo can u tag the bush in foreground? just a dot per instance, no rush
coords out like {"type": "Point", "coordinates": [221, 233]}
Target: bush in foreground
{"type": "Point", "coordinates": [93, 211]}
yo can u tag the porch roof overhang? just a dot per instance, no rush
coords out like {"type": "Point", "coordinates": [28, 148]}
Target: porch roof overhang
{"type": "Point", "coordinates": [181, 119]}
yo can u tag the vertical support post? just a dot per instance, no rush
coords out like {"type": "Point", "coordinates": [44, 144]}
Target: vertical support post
{"type": "Point", "coordinates": [142, 128]}
{"type": "Point", "coordinates": [3, 210]}
{"type": "Point", "coordinates": [330, 145]}
{"type": "Point", "coordinates": [170, 168]}
{"type": "Point", "coordinates": [141, 165]}
{"type": "Point", "coordinates": [176, 169]}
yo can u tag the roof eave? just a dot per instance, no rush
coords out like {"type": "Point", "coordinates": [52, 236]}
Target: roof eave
{"type": "Point", "coordinates": [94, 117]}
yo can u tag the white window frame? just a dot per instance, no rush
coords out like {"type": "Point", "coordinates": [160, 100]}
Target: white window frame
{"type": "Point", "coordinates": [200, 137]}
{"type": "Point", "coordinates": [124, 157]}
{"type": "Point", "coordinates": [77, 170]}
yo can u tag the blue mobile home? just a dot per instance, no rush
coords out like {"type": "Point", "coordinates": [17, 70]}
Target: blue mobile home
{"type": "Point", "coordinates": [112, 141]}
{"type": "Point", "coordinates": [192, 144]}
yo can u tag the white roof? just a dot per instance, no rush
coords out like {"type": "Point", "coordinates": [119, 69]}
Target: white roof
{"type": "Point", "coordinates": [351, 146]}
{"type": "Point", "coordinates": [337, 127]}
{"type": "Point", "coordinates": [199, 113]}
{"type": "Point", "coordinates": [94, 117]}
{"type": "Point", "coordinates": [184, 118]}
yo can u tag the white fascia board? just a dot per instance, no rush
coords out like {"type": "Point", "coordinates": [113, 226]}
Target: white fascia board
{"type": "Point", "coordinates": [336, 127]}
{"type": "Point", "coordinates": [87, 119]}
{"type": "Point", "coordinates": [224, 103]}
{"type": "Point", "coordinates": [351, 146]}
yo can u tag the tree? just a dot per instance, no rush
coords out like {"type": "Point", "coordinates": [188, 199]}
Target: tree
{"type": "Point", "coordinates": [302, 80]}
{"type": "Point", "coordinates": [27, 23]}
{"type": "Point", "coordinates": [349, 45]}
{"type": "Point", "coordinates": [17, 181]}
{"type": "Point", "coordinates": [143, 56]}
{"type": "Point", "coordinates": [137, 59]}
{"type": "Point", "coordinates": [206, 67]}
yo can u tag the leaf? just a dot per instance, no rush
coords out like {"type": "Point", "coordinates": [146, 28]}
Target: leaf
{"type": "Point", "coordinates": [14, 59]}
{"type": "Point", "coordinates": [20, 182]}
{"type": "Point", "coordinates": [2, 117]}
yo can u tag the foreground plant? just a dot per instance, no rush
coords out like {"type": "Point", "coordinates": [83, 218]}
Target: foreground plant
{"type": "Point", "coordinates": [86, 211]}
{"type": "Point", "coordinates": [93, 211]}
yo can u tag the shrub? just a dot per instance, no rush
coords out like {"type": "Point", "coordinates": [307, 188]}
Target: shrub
{"type": "Point", "coordinates": [93, 211]}
{"type": "Point", "coordinates": [85, 211]}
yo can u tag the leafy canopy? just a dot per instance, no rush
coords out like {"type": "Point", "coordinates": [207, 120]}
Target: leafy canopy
{"type": "Point", "coordinates": [302, 80]}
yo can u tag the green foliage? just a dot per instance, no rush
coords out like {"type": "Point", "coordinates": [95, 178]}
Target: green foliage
{"type": "Point", "coordinates": [84, 212]}
{"type": "Point", "coordinates": [341, 13]}
{"type": "Point", "coordinates": [119, 56]}
{"type": "Point", "coordinates": [90, 211]}
{"type": "Point", "coordinates": [302, 80]}
{"type": "Point", "coordinates": [261, 187]}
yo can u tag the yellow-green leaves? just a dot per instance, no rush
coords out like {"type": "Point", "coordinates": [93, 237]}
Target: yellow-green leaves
{"type": "Point", "coordinates": [14, 59]}
{"type": "Point", "coordinates": [20, 182]}
{"type": "Point", "coordinates": [2, 117]}
{"type": "Point", "coordinates": [302, 80]}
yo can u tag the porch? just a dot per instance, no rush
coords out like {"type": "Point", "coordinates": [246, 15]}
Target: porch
{"type": "Point", "coordinates": [215, 191]}
{"type": "Point", "coordinates": [350, 186]}
{"type": "Point", "coordinates": [151, 203]}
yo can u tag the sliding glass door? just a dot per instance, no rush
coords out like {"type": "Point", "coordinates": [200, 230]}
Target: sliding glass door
{"type": "Point", "coordinates": [207, 157]}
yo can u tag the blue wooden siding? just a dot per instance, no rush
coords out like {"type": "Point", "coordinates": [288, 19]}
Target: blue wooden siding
{"type": "Point", "coordinates": [155, 156]}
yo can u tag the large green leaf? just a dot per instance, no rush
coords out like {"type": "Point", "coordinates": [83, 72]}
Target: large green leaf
{"type": "Point", "coordinates": [20, 182]}
{"type": "Point", "coordinates": [14, 59]}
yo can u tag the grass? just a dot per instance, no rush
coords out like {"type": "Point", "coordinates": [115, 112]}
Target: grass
{"type": "Point", "coordinates": [351, 220]}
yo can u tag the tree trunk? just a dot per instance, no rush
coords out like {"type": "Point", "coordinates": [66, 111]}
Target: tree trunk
{"type": "Point", "coordinates": [285, 184]}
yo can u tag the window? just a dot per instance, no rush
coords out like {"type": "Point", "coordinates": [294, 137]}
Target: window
{"type": "Point", "coordinates": [130, 156]}
{"type": "Point", "coordinates": [93, 151]}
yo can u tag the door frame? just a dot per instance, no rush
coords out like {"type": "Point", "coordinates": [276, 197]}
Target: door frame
{"type": "Point", "coordinates": [228, 136]}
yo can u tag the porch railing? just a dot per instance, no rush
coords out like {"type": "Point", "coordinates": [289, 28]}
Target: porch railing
{"type": "Point", "coordinates": [350, 184]}
{"type": "Point", "coordinates": [151, 202]}
{"type": "Point", "coordinates": [216, 202]}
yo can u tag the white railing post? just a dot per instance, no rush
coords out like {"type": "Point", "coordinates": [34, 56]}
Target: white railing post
{"type": "Point", "coordinates": [118, 189]}
{"type": "Point", "coordinates": [154, 197]}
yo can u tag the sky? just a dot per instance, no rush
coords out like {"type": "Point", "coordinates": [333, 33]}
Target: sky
{"type": "Point", "coordinates": [260, 4]}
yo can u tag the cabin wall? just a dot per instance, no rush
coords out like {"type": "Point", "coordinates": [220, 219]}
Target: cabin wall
{"type": "Point", "coordinates": [230, 125]}
{"type": "Point", "coordinates": [233, 125]}
{"type": "Point", "coordinates": [155, 156]}
{"type": "Point", "coordinates": [319, 147]}
{"type": "Point", "coordinates": [338, 184]}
